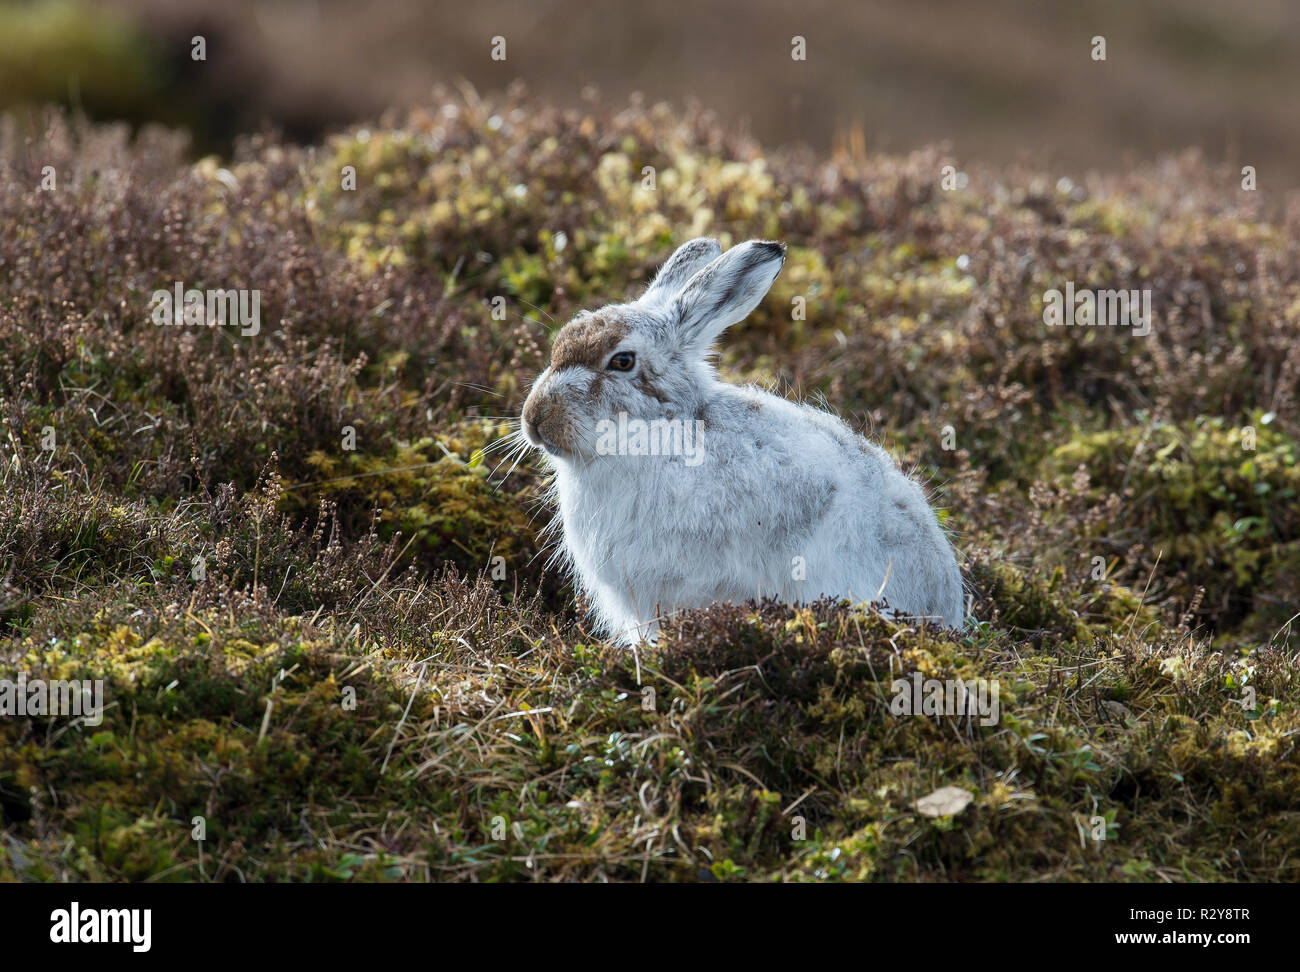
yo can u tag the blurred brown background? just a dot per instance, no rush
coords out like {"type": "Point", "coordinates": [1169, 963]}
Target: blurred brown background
{"type": "Point", "coordinates": [1000, 80]}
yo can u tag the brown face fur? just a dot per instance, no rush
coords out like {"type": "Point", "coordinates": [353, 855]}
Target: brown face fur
{"type": "Point", "coordinates": [589, 341]}
{"type": "Point", "coordinates": [586, 343]}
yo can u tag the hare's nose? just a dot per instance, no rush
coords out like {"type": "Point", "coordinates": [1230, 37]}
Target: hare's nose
{"type": "Point", "coordinates": [531, 430]}
{"type": "Point", "coordinates": [536, 414]}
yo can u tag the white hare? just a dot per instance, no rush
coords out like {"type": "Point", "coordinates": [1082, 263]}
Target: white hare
{"type": "Point", "coordinates": [677, 490]}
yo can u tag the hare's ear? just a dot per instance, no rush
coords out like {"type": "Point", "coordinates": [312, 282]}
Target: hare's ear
{"type": "Point", "coordinates": [725, 291]}
{"type": "Point", "coordinates": [678, 269]}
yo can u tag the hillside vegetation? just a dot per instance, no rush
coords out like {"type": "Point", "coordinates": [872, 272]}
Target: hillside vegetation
{"type": "Point", "coordinates": [316, 650]}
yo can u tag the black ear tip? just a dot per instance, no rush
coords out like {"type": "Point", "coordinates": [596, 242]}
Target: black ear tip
{"type": "Point", "coordinates": [772, 248]}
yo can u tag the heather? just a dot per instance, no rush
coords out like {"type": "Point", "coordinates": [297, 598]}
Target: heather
{"type": "Point", "coordinates": [324, 609]}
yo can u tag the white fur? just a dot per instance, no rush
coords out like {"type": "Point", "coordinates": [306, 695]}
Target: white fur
{"type": "Point", "coordinates": [645, 536]}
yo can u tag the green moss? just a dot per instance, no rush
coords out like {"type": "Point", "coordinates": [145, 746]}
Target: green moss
{"type": "Point", "coordinates": [1217, 502]}
{"type": "Point", "coordinates": [446, 500]}
{"type": "Point", "coordinates": [752, 708]}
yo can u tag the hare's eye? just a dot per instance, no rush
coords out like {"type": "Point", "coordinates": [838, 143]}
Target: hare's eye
{"type": "Point", "coordinates": [623, 361]}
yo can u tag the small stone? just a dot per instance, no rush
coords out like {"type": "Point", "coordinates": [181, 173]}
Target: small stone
{"type": "Point", "coordinates": [946, 801]}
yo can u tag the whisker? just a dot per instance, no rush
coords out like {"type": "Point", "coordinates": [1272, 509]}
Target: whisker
{"type": "Point", "coordinates": [501, 443]}
{"type": "Point", "coordinates": [538, 309]}
{"type": "Point", "coordinates": [518, 456]}
{"type": "Point", "coordinates": [504, 459]}
{"type": "Point", "coordinates": [532, 320]}
{"type": "Point", "coordinates": [481, 388]}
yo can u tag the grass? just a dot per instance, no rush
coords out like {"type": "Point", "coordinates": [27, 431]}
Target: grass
{"type": "Point", "coordinates": [329, 641]}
